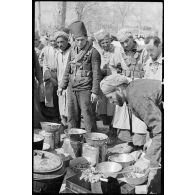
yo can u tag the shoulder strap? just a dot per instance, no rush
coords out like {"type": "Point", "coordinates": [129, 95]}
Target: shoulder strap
{"type": "Point", "coordinates": [130, 120]}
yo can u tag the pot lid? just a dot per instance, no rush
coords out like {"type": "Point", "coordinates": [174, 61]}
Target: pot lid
{"type": "Point", "coordinates": [46, 162]}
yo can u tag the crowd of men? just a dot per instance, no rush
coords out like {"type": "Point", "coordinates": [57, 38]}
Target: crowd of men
{"type": "Point", "coordinates": [115, 79]}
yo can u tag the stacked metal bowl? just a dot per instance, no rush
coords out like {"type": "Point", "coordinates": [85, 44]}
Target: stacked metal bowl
{"type": "Point", "coordinates": [124, 159]}
{"type": "Point", "coordinates": [96, 139]}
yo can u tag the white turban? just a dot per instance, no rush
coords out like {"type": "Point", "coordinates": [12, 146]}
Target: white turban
{"type": "Point", "coordinates": [110, 83]}
{"type": "Point", "coordinates": [61, 34]}
{"type": "Point", "coordinates": [101, 34]}
{"type": "Point", "coordinates": [123, 34]}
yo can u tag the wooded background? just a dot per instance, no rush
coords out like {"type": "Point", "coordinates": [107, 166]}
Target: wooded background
{"type": "Point", "coordinates": [141, 17]}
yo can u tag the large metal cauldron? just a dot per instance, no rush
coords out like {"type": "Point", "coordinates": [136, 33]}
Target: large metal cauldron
{"type": "Point", "coordinates": [49, 177]}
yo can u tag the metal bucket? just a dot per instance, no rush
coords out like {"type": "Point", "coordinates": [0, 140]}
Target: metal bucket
{"type": "Point", "coordinates": [54, 128]}
{"type": "Point", "coordinates": [50, 127]}
{"type": "Point", "coordinates": [96, 139]}
{"type": "Point", "coordinates": [90, 153]}
{"type": "Point", "coordinates": [49, 138]}
{"type": "Point", "coordinates": [76, 134]}
{"type": "Point", "coordinates": [73, 148]}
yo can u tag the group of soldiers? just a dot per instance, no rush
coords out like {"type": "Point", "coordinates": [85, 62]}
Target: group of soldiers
{"type": "Point", "coordinates": [100, 76]}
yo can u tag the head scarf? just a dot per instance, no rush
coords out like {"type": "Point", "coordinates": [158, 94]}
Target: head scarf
{"type": "Point", "coordinates": [110, 83]}
{"type": "Point", "coordinates": [101, 35]}
{"type": "Point", "coordinates": [61, 34]}
{"type": "Point", "coordinates": [123, 34]}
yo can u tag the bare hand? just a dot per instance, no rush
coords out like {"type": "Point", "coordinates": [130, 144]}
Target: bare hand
{"type": "Point", "coordinates": [54, 81]}
{"type": "Point", "coordinates": [59, 91]}
{"type": "Point", "coordinates": [93, 97]}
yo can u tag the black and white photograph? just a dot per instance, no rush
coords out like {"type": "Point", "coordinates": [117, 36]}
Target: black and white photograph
{"type": "Point", "coordinates": [98, 97]}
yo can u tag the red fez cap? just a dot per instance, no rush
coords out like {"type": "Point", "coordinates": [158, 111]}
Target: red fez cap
{"type": "Point", "coordinates": [78, 29]}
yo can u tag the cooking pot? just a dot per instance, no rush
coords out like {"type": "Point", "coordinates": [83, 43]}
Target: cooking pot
{"type": "Point", "coordinates": [76, 134]}
{"type": "Point", "coordinates": [38, 142]}
{"type": "Point", "coordinates": [137, 180]}
{"type": "Point", "coordinates": [48, 172]}
{"type": "Point", "coordinates": [96, 139]}
{"type": "Point", "coordinates": [50, 127]}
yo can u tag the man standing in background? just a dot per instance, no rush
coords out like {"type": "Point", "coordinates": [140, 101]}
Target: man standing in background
{"type": "Point", "coordinates": [153, 66]}
{"type": "Point", "coordinates": [110, 58]}
{"type": "Point", "coordinates": [61, 60]}
{"type": "Point", "coordinates": [50, 78]}
{"type": "Point", "coordinates": [82, 77]}
{"type": "Point", "coordinates": [134, 56]}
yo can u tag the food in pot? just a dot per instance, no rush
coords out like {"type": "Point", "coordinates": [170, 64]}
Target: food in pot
{"type": "Point", "coordinates": [79, 163]}
{"type": "Point", "coordinates": [133, 174]}
{"type": "Point", "coordinates": [97, 138]}
{"type": "Point", "coordinates": [120, 148]}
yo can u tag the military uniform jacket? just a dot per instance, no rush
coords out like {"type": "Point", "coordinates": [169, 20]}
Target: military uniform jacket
{"type": "Point", "coordinates": [144, 97]}
{"type": "Point", "coordinates": [83, 74]}
{"type": "Point", "coordinates": [135, 60]}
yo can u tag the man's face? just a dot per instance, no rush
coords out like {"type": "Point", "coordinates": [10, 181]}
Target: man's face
{"type": "Point", "coordinates": [62, 43]}
{"type": "Point", "coordinates": [81, 42]}
{"type": "Point", "coordinates": [36, 42]}
{"type": "Point", "coordinates": [128, 44]}
{"type": "Point", "coordinates": [153, 50]}
{"type": "Point", "coordinates": [116, 97]}
{"type": "Point", "coordinates": [52, 42]}
{"type": "Point", "coordinates": [105, 44]}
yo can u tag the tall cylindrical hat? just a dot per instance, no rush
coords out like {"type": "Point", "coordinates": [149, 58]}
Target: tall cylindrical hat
{"type": "Point", "coordinates": [78, 29]}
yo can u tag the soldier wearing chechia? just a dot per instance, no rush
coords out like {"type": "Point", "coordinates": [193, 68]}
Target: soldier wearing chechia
{"type": "Point", "coordinates": [82, 76]}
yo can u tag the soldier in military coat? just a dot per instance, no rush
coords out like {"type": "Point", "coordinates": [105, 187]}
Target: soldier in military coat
{"type": "Point", "coordinates": [82, 78]}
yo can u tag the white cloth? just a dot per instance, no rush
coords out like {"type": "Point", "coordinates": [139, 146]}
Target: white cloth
{"type": "Point", "coordinates": [138, 126]}
{"type": "Point", "coordinates": [63, 104]}
{"type": "Point", "coordinates": [61, 60]}
{"type": "Point", "coordinates": [48, 53]}
{"type": "Point", "coordinates": [121, 120]}
{"type": "Point", "coordinates": [116, 43]}
{"type": "Point", "coordinates": [121, 117]}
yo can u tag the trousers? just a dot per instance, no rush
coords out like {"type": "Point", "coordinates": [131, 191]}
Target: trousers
{"type": "Point", "coordinates": [79, 102]}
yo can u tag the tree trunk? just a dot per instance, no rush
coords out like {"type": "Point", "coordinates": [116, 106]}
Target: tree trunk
{"type": "Point", "coordinates": [39, 18]}
{"type": "Point", "coordinates": [63, 14]}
